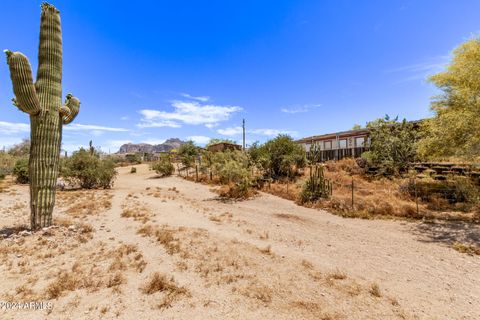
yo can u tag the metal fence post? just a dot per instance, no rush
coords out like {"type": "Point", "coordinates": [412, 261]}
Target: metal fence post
{"type": "Point", "coordinates": [353, 209]}
{"type": "Point", "coordinates": [416, 194]}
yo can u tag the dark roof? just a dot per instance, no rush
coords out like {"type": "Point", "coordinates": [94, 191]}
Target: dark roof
{"type": "Point", "coordinates": [224, 143]}
{"type": "Point", "coordinates": [348, 133]}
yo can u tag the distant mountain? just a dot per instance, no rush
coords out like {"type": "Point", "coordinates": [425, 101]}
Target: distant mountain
{"type": "Point", "coordinates": [170, 144]}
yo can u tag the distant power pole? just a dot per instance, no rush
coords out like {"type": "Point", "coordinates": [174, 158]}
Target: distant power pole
{"type": "Point", "coordinates": [243, 126]}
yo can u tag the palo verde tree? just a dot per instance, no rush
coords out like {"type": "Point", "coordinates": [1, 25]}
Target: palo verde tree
{"type": "Point", "coordinates": [454, 131]}
{"type": "Point", "coordinates": [42, 101]}
{"type": "Point", "coordinates": [393, 145]}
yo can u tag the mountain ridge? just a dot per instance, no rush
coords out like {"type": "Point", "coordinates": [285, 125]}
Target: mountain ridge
{"type": "Point", "coordinates": [168, 145]}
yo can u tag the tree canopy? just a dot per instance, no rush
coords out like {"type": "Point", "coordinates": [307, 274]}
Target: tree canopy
{"type": "Point", "coordinates": [454, 131]}
{"type": "Point", "coordinates": [393, 144]}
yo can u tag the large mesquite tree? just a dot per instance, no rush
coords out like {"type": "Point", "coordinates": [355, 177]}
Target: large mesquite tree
{"type": "Point", "coordinates": [42, 101]}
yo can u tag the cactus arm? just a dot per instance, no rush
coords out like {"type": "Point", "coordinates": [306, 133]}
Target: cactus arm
{"type": "Point", "coordinates": [70, 110]}
{"type": "Point", "coordinates": [21, 74]}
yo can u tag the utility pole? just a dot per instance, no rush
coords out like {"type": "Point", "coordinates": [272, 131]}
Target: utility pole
{"type": "Point", "coordinates": [243, 126]}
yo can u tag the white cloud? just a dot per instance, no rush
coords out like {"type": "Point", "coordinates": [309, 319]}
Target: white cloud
{"type": "Point", "coordinates": [300, 109]}
{"type": "Point", "coordinates": [124, 118]}
{"type": "Point", "coordinates": [154, 141]}
{"type": "Point", "coordinates": [8, 141]}
{"type": "Point", "coordinates": [187, 112]}
{"type": "Point", "coordinates": [13, 128]}
{"type": "Point", "coordinates": [91, 127]}
{"type": "Point", "coordinates": [421, 70]}
{"type": "Point", "coordinates": [199, 139]}
{"type": "Point", "coordinates": [114, 145]}
{"type": "Point", "coordinates": [273, 132]}
{"type": "Point", "coordinates": [200, 98]}
{"type": "Point", "coordinates": [212, 125]}
{"type": "Point", "coordinates": [233, 131]}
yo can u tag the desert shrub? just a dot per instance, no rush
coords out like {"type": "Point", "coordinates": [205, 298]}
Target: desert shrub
{"type": "Point", "coordinates": [439, 194]}
{"type": "Point", "coordinates": [133, 158]}
{"type": "Point", "coordinates": [279, 157]}
{"type": "Point", "coordinates": [234, 172]}
{"type": "Point", "coordinates": [187, 153]}
{"type": "Point", "coordinates": [21, 149]}
{"type": "Point", "coordinates": [7, 162]}
{"type": "Point", "coordinates": [133, 170]}
{"type": "Point", "coordinates": [164, 166]}
{"type": "Point", "coordinates": [20, 171]}
{"type": "Point", "coordinates": [88, 170]}
{"type": "Point", "coordinates": [393, 145]}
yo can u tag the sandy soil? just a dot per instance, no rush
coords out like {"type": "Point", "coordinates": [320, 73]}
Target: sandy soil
{"type": "Point", "coordinates": [169, 249]}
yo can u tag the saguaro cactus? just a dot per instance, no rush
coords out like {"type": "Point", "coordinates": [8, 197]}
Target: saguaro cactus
{"type": "Point", "coordinates": [42, 100]}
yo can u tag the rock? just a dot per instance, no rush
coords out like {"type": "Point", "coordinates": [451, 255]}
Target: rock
{"type": "Point", "coordinates": [71, 228]}
{"type": "Point", "coordinates": [18, 255]}
{"type": "Point", "coordinates": [25, 233]}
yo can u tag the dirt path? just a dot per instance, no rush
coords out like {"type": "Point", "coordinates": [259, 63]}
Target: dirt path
{"type": "Point", "coordinates": [267, 258]}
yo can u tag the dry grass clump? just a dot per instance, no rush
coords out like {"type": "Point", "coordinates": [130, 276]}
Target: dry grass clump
{"type": "Point", "coordinates": [290, 217]}
{"type": "Point", "coordinates": [373, 198]}
{"type": "Point", "coordinates": [259, 292]}
{"type": "Point", "coordinates": [96, 271]}
{"type": "Point", "coordinates": [138, 214]}
{"type": "Point", "coordinates": [81, 203]}
{"type": "Point", "coordinates": [337, 275]}
{"type": "Point", "coordinates": [164, 235]}
{"type": "Point", "coordinates": [467, 248]}
{"type": "Point", "coordinates": [236, 192]}
{"type": "Point", "coordinates": [375, 290]}
{"type": "Point", "coordinates": [160, 283]}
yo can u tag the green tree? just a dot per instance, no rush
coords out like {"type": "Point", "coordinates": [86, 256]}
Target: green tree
{"type": "Point", "coordinates": [279, 157]}
{"type": "Point", "coordinates": [454, 131]}
{"type": "Point", "coordinates": [21, 149]}
{"type": "Point", "coordinates": [356, 127]}
{"type": "Point", "coordinates": [20, 171]}
{"type": "Point", "coordinates": [217, 140]}
{"type": "Point", "coordinates": [187, 154]}
{"type": "Point", "coordinates": [163, 166]}
{"type": "Point", "coordinates": [393, 144]}
{"type": "Point", "coordinates": [88, 170]}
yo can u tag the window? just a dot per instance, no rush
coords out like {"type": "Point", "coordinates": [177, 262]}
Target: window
{"type": "Point", "coordinates": [342, 144]}
{"type": "Point", "coordinates": [328, 145]}
{"type": "Point", "coordinates": [359, 142]}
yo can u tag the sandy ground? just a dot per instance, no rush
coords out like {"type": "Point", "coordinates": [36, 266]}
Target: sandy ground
{"type": "Point", "coordinates": [169, 249]}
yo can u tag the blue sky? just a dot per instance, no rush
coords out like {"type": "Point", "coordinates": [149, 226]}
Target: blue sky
{"type": "Point", "coordinates": [146, 71]}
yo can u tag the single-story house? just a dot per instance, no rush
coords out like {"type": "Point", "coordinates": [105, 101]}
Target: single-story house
{"type": "Point", "coordinates": [339, 145]}
{"type": "Point", "coordinates": [223, 146]}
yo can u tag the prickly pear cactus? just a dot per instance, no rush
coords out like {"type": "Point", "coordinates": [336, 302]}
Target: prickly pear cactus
{"type": "Point", "coordinates": [42, 101]}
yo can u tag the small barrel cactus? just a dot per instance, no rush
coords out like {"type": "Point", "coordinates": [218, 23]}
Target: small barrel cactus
{"type": "Point", "coordinates": [42, 101]}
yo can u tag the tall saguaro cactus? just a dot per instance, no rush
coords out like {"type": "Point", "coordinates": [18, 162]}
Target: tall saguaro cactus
{"type": "Point", "coordinates": [42, 100]}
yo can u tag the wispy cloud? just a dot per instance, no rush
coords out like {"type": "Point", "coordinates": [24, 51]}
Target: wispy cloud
{"type": "Point", "coordinates": [199, 98]}
{"type": "Point", "coordinates": [273, 132]}
{"type": "Point", "coordinates": [13, 127]}
{"type": "Point", "coordinates": [421, 70]}
{"type": "Point", "coordinates": [300, 109]}
{"type": "Point", "coordinates": [187, 112]}
{"type": "Point", "coordinates": [235, 131]}
{"type": "Point", "coordinates": [199, 139]}
{"type": "Point", "coordinates": [232, 131]}
{"type": "Point", "coordinates": [154, 141]}
{"type": "Point", "coordinates": [92, 127]}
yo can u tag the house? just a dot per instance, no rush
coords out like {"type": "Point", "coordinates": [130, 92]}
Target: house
{"type": "Point", "coordinates": [339, 145]}
{"type": "Point", "coordinates": [223, 146]}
